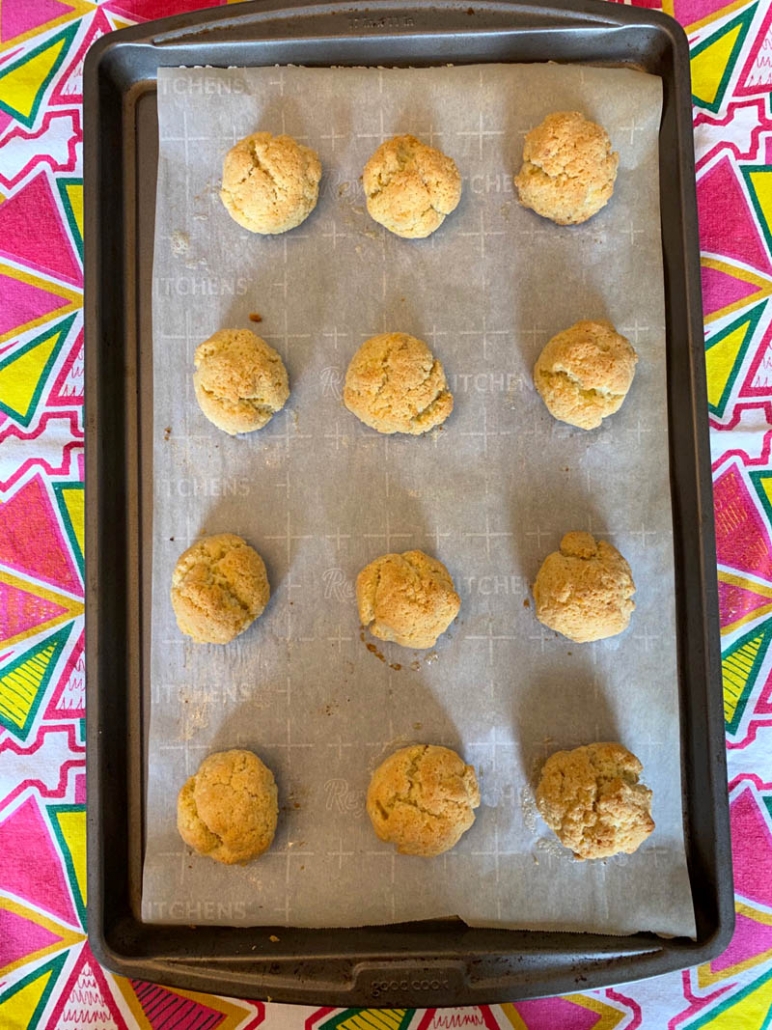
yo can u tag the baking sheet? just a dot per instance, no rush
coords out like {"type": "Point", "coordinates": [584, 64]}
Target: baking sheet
{"type": "Point", "coordinates": [490, 494]}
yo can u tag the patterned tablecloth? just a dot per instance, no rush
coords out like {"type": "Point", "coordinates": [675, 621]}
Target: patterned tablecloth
{"type": "Point", "coordinates": [48, 977]}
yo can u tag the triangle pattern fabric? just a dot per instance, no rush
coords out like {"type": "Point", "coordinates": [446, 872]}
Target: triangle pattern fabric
{"type": "Point", "coordinates": [31, 533]}
{"type": "Point", "coordinates": [71, 195]}
{"type": "Point", "coordinates": [23, 683]}
{"type": "Point", "coordinates": [69, 699]}
{"type": "Point", "coordinates": [23, 940]}
{"type": "Point", "coordinates": [712, 61]}
{"type": "Point", "coordinates": [722, 201]}
{"type": "Point", "coordinates": [32, 233]}
{"type": "Point", "coordinates": [67, 391]}
{"type": "Point", "coordinates": [24, 81]}
{"type": "Point", "coordinates": [756, 75]}
{"type": "Point", "coordinates": [26, 301]}
{"type": "Point", "coordinates": [178, 1009]}
{"type": "Point", "coordinates": [753, 864]}
{"type": "Point", "coordinates": [751, 940]}
{"type": "Point", "coordinates": [24, 373]}
{"type": "Point", "coordinates": [27, 609]}
{"type": "Point", "coordinates": [758, 179]}
{"type": "Point", "coordinates": [724, 356]}
{"type": "Point", "coordinates": [86, 999]}
{"type": "Point", "coordinates": [739, 669]}
{"type": "Point", "coordinates": [22, 1005]}
{"type": "Point", "coordinates": [758, 381]}
{"type": "Point", "coordinates": [738, 604]}
{"type": "Point", "coordinates": [23, 833]}
{"type": "Point", "coordinates": [71, 499]}
{"type": "Point", "coordinates": [742, 537]}
{"type": "Point", "coordinates": [69, 826]}
{"type": "Point", "coordinates": [137, 10]}
{"type": "Point", "coordinates": [21, 19]}
{"type": "Point", "coordinates": [69, 88]}
{"type": "Point", "coordinates": [722, 291]}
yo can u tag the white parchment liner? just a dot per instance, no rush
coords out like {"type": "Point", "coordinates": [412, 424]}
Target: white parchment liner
{"type": "Point", "coordinates": [319, 496]}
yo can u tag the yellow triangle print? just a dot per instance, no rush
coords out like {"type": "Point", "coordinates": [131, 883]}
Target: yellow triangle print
{"type": "Point", "coordinates": [73, 827]}
{"type": "Point", "coordinates": [233, 1011]}
{"type": "Point", "coordinates": [74, 502]}
{"type": "Point", "coordinates": [20, 85]}
{"type": "Point", "coordinates": [67, 937]}
{"type": "Point", "coordinates": [19, 379]}
{"type": "Point", "coordinates": [720, 359]}
{"type": "Point", "coordinates": [75, 196]}
{"type": "Point", "coordinates": [374, 1019]}
{"type": "Point", "coordinates": [16, 1011]}
{"type": "Point", "coordinates": [737, 668]}
{"type": "Point", "coordinates": [19, 687]}
{"type": "Point", "coordinates": [751, 1009]}
{"type": "Point", "coordinates": [709, 65]}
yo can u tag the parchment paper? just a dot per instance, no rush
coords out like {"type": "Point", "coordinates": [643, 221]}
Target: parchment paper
{"type": "Point", "coordinates": [320, 495]}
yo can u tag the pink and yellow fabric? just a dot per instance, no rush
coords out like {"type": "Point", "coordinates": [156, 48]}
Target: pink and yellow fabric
{"type": "Point", "coordinates": [48, 977]}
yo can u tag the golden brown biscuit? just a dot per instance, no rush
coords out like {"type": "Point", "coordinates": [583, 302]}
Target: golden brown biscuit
{"type": "Point", "coordinates": [410, 187]}
{"type": "Point", "coordinates": [240, 381]}
{"type": "Point", "coordinates": [219, 588]}
{"type": "Point", "coordinates": [270, 184]}
{"type": "Point", "coordinates": [568, 170]}
{"type": "Point", "coordinates": [394, 384]}
{"type": "Point", "coordinates": [583, 374]}
{"type": "Point", "coordinates": [585, 589]}
{"type": "Point", "coordinates": [593, 801]}
{"type": "Point", "coordinates": [422, 798]}
{"type": "Point", "coordinates": [229, 809]}
{"type": "Point", "coordinates": [407, 598]}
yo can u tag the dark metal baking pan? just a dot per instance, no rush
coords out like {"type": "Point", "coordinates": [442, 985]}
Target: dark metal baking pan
{"type": "Point", "coordinates": [438, 963]}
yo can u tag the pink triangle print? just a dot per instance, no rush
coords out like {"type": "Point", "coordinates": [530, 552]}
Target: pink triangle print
{"type": "Point", "coordinates": [171, 1010]}
{"type": "Point", "coordinates": [750, 939]}
{"type": "Point", "coordinates": [22, 302]}
{"type": "Point", "coordinates": [69, 698]}
{"type": "Point", "coordinates": [69, 89]}
{"type": "Point", "coordinates": [86, 999]}
{"type": "Point", "coordinates": [20, 937]}
{"type": "Point", "coordinates": [67, 390]}
{"type": "Point", "coordinates": [756, 76]}
{"type": "Point", "coordinates": [719, 290]}
{"type": "Point", "coordinates": [31, 538]}
{"type": "Point", "coordinates": [42, 882]}
{"type": "Point", "coordinates": [22, 611]}
{"type": "Point", "coordinates": [742, 539]}
{"type": "Point", "coordinates": [548, 1013]}
{"type": "Point", "coordinates": [758, 382]}
{"type": "Point", "coordinates": [20, 16]}
{"type": "Point", "coordinates": [32, 234]}
{"type": "Point", "coordinates": [140, 10]}
{"type": "Point", "coordinates": [735, 602]}
{"type": "Point", "coordinates": [722, 201]}
{"type": "Point", "coordinates": [690, 11]}
{"type": "Point", "coordinates": [753, 862]}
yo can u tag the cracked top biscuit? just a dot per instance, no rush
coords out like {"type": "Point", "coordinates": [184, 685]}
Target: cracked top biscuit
{"type": "Point", "coordinates": [568, 170]}
{"type": "Point", "coordinates": [240, 381]}
{"type": "Point", "coordinates": [585, 589]}
{"type": "Point", "coordinates": [422, 799]}
{"type": "Point", "coordinates": [229, 809]}
{"type": "Point", "coordinates": [584, 373]}
{"type": "Point", "coordinates": [219, 588]}
{"type": "Point", "coordinates": [394, 384]}
{"type": "Point", "coordinates": [591, 798]}
{"type": "Point", "coordinates": [270, 184]}
{"type": "Point", "coordinates": [410, 187]}
{"type": "Point", "coordinates": [407, 598]}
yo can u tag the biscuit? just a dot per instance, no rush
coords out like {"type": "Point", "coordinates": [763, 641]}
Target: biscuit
{"type": "Point", "coordinates": [593, 801]}
{"type": "Point", "coordinates": [394, 384]}
{"type": "Point", "coordinates": [219, 588]}
{"type": "Point", "coordinates": [240, 381]}
{"type": "Point", "coordinates": [229, 809]}
{"type": "Point", "coordinates": [585, 589]}
{"type": "Point", "coordinates": [407, 598]}
{"type": "Point", "coordinates": [583, 374]}
{"type": "Point", "coordinates": [410, 187]}
{"type": "Point", "coordinates": [422, 798]}
{"type": "Point", "coordinates": [270, 184]}
{"type": "Point", "coordinates": [568, 170]}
